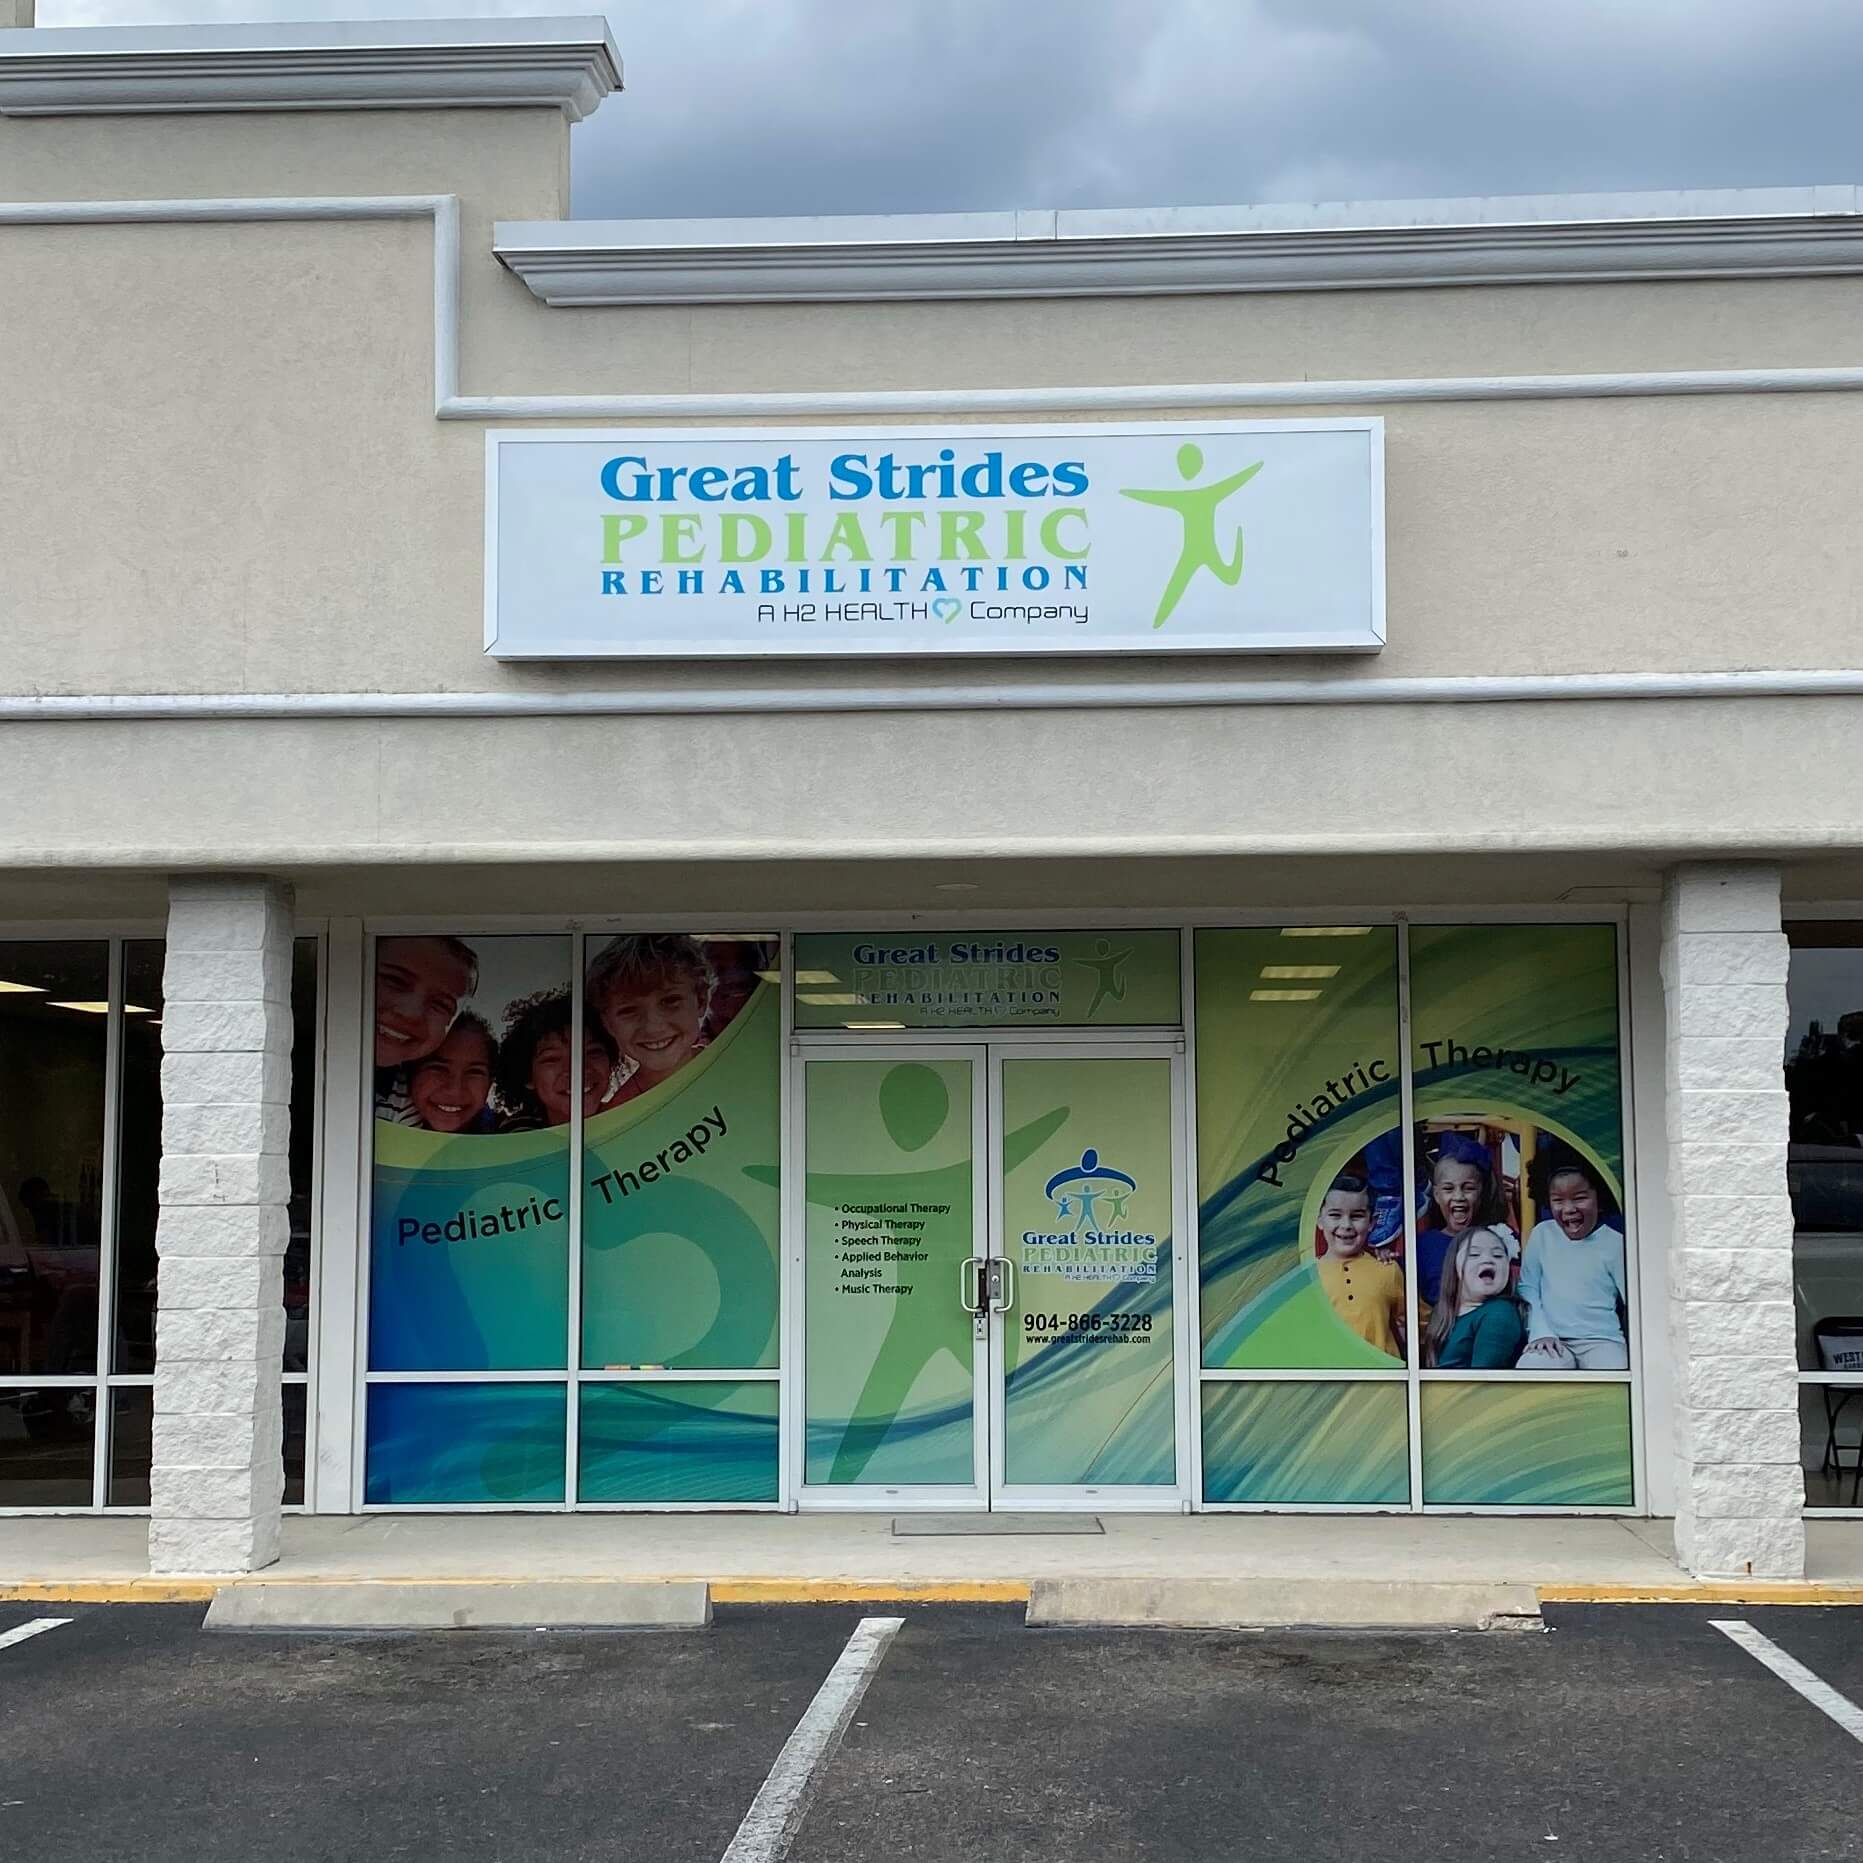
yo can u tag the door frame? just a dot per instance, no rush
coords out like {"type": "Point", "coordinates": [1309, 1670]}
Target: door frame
{"type": "Point", "coordinates": [1107, 1497]}
{"type": "Point", "coordinates": [879, 1496]}
{"type": "Point", "coordinates": [986, 1051]}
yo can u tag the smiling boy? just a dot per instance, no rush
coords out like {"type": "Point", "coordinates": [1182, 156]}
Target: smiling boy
{"type": "Point", "coordinates": [1366, 1293]}
{"type": "Point", "coordinates": [650, 991]}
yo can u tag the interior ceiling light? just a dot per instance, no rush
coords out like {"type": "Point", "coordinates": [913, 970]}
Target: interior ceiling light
{"type": "Point", "coordinates": [955, 886]}
{"type": "Point", "coordinates": [19, 989]}
{"type": "Point", "coordinates": [1326, 931]}
{"type": "Point", "coordinates": [1286, 971]}
{"type": "Point", "coordinates": [1285, 996]}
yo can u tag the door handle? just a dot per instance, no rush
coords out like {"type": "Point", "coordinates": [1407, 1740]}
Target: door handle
{"type": "Point", "coordinates": [970, 1283]}
{"type": "Point", "coordinates": [1002, 1284]}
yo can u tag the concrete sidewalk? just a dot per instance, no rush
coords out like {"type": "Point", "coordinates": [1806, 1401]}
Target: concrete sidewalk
{"type": "Point", "coordinates": [776, 1558]}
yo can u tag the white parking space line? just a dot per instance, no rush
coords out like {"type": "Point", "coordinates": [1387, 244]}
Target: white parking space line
{"type": "Point", "coordinates": [20, 1632]}
{"type": "Point", "coordinates": [1794, 1674]}
{"type": "Point", "coordinates": [775, 1813]}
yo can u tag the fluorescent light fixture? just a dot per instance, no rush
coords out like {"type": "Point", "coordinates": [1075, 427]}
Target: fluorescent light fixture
{"type": "Point", "coordinates": [873, 1025]}
{"type": "Point", "coordinates": [1286, 972]}
{"type": "Point", "coordinates": [954, 886]}
{"type": "Point", "coordinates": [831, 999]}
{"type": "Point", "coordinates": [19, 989]}
{"type": "Point", "coordinates": [1327, 931]}
{"type": "Point", "coordinates": [97, 1009]}
{"type": "Point", "coordinates": [802, 976]}
{"type": "Point", "coordinates": [1285, 996]}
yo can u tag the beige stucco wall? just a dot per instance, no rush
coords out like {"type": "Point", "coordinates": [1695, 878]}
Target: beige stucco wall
{"type": "Point", "coordinates": [224, 474]}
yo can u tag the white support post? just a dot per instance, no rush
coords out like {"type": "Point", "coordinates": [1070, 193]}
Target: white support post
{"type": "Point", "coordinates": [218, 1475]}
{"type": "Point", "coordinates": [1739, 1487]}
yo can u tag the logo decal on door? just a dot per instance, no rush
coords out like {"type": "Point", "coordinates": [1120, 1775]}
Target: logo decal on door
{"type": "Point", "coordinates": [1089, 1242]}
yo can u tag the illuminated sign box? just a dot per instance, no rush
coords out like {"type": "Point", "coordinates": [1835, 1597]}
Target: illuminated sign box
{"type": "Point", "coordinates": [1176, 537]}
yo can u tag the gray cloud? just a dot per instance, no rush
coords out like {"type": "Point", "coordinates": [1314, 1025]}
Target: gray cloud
{"type": "Point", "coordinates": [842, 106]}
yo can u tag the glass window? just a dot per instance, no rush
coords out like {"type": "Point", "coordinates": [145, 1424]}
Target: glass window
{"type": "Point", "coordinates": [680, 1204]}
{"type": "Point", "coordinates": [1824, 1170]}
{"type": "Point", "coordinates": [474, 1065]}
{"type": "Point", "coordinates": [139, 1156]}
{"type": "Point", "coordinates": [1522, 1257]}
{"type": "Point", "coordinates": [53, 1035]}
{"type": "Point", "coordinates": [47, 1441]}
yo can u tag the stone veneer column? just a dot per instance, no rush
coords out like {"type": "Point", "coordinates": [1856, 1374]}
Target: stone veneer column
{"type": "Point", "coordinates": [218, 1477]}
{"type": "Point", "coordinates": [1740, 1488]}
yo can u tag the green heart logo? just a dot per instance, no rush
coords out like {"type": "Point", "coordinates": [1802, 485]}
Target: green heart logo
{"type": "Point", "coordinates": [946, 608]}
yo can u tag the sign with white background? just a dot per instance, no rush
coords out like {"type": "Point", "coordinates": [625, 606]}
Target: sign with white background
{"type": "Point", "coordinates": [1174, 537]}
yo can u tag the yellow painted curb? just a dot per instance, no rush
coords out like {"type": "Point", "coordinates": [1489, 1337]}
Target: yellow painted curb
{"type": "Point", "coordinates": [865, 1591]}
{"type": "Point", "coordinates": [111, 1591]}
{"type": "Point", "coordinates": [1729, 1592]}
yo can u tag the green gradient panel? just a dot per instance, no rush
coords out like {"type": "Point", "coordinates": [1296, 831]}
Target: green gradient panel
{"type": "Point", "coordinates": [889, 1360]}
{"type": "Point", "coordinates": [1527, 1445]}
{"type": "Point", "coordinates": [1306, 1445]}
{"type": "Point", "coordinates": [958, 980]}
{"type": "Point", "coordinates": [680, 1441]}
{"type": "Point", "coordinates": [465, 1445]}
{"type": "Point", "coordinates": [1545, 993]}
{"type": "Point", "coordinates": [679, 1220]}
{"type": "Point", "coordinates": [1092, 1401]}
{"type": "Point", "coordinates": [1289, 1092]}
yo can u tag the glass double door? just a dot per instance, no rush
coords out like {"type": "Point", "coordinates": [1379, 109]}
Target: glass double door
{"type": "Point", "coordinates": [990, 1278]}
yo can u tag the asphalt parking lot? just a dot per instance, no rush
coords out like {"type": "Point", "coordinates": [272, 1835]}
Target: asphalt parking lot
{"type": "Point", "coordinates": [1620, 1733]}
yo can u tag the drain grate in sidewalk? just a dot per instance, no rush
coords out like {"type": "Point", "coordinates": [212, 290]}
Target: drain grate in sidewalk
{"type": "Point", "coordinates": [921, 1526]}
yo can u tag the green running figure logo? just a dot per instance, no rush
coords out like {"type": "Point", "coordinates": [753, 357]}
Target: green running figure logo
{"type": "Point", "coordinates": [1109, 973]}
{"type": "Point", "coordinates": [1196, 506]}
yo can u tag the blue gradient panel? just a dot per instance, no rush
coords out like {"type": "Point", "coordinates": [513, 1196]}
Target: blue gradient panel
{"type": "Point", "coordinates": [465, 1445]}
{"type": "Point", "coordinates": [1527, 1445]}
{"type": "Point", "coordinates": [662, 1443]}
{"type": "Point", "coordinates": [1305, 1445]}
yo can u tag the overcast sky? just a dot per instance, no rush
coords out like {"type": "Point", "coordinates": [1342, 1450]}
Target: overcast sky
{"type": "Point", "coordinates": [876, 106]}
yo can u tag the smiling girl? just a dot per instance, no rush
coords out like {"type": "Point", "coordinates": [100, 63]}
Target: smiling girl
{"type": "Point", "coordinates": [450, 1088]}
{"type": "Point", "coordinates": [1464, 1194]}
{"type": "Point", "coordinates": [1572, 1278]}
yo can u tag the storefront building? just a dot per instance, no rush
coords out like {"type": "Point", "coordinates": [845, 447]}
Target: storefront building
{"type": "Point", "coordinates": [1164, 862]}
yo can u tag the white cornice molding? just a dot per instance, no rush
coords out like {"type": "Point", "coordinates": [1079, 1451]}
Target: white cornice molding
{"type": "Point", "coordinates": [1741, 233]}
{"type": "Point", "coordinates": [1061, 399]}
{"type": "Point", "coordinates": [566, 64]}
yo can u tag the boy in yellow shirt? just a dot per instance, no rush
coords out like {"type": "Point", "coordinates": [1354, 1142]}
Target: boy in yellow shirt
{"type": "Point", "coordinates": [1368, 1294]}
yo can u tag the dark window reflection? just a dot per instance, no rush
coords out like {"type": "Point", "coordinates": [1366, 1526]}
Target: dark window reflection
{"type": "Point", "coordinates": [305, 1043]}
{"type": "Point", "coordinates": [295, 1406]}
{"type": "Point", "coordinates": [139, 1142]}
{"type": "Point", "coordinates": [131, 1414]}
{"type": "Point", "coordinates": [53, 1030]}
{"type": "Point", "coordinates": [1824, 1082]}
{"type": "Point", "coordinates": [46, 1439]}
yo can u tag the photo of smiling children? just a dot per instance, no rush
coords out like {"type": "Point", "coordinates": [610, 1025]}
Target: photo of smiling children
{"type": "Point", "coordinates": [1475, 1323]}
{"type": "Point", "coordinates": [537, 1063]}
{"type": "Point", "coordinates": [661, 997]}
{"type": "Point", "coordinates": [420, 984]}
{"type": "Point", "coordinates": [1572, 1279]}
{"type": "Point", "coordinates": [450, 1089]}
{"type": "Point", "coordinates": [1366, 1289]}
{"type": "Point", "coordinates": [1462, 1185]}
